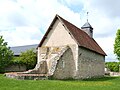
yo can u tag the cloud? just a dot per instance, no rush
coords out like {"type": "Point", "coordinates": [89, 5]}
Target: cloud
{"type": "Point", "coordinates": [17, 19]}
{"type": "Point", "coordinates": [107, 45]}
{"type": "Point", "coordinates": [75, 5]}
{"type": "Point", "coordinates": [22, 36]}
{"type": "Point", "coordinates": [25, 21]}
{"type": "Point", "coordinates": [109, 7]}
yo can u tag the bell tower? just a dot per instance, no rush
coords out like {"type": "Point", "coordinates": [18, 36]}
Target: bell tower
{"type": "Point", "coordinates": [88, 28]}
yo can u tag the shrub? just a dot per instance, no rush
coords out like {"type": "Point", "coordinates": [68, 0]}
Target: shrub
{"type": "Point", "coordinates": [16, 61]}
{"type": "Point", "coordinates": [113, 66]}
{"type": "Point", "coordinates": [29, 58]}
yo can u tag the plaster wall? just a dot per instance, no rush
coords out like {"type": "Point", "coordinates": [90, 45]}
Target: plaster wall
{"type": "Point", "coordinates": [90, 64]}
{"type": "Point", "coordinates": [58, 36]}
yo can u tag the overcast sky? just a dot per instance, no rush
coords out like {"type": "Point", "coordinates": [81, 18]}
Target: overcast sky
{"type": "Point", "coordinates": [24, 22]}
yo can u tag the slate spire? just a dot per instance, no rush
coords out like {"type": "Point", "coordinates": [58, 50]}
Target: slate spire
{"type": "Point", "coordinates": [88, 28]}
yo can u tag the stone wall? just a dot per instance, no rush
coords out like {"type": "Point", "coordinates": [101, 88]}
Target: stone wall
{"type": "Point", "coordinates": [15, 68]}
{"type": "Point", "coordinates": [76, 62]}
{"type": "Point", "coordinates": [90, 64]}
{"type": "Point", "coordinates": [47, 53]}
{"type": "Point", "coordinates": [65, 67]}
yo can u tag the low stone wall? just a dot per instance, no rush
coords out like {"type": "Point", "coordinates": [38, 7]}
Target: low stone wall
{"type": "Point", "coordinates": [114, 73]}
{"type": "Point", "coordinates": [15, 68]}
{"type": "Point", "coordinates": [22, 76]}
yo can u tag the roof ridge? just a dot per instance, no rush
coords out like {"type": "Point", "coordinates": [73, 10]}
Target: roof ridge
{"type": "Point", "coordinates": [68, 22]}
{"type": "Point", "coordinates": [24, 45]}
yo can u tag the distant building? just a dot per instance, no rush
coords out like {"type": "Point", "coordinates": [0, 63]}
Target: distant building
{"type": "Point", "coordinates": [18, 49]}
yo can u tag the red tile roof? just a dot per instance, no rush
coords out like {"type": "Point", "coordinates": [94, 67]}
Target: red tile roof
{"type": "Point", "coordinates": [82, 38]}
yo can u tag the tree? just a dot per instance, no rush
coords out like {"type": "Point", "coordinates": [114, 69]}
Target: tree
{"type": "Point", "coordinates": [6, 54]}
{"type": "Point", "coordinates": [29, 58]}
{"type": "Point", "coordinates": [117, 45]}
{"type": "Point", "coordinates": [113, 66]}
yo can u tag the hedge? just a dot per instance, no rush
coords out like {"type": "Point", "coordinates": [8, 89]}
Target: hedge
{"type": "Point", "coordinates": [113, 66]}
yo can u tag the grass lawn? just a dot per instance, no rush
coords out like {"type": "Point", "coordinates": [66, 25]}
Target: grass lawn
{"type": "Point", "coordinates": [106, 83]}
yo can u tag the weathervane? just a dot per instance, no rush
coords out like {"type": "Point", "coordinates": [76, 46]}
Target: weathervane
{"type": "Point", "coordinates": [87, 16]}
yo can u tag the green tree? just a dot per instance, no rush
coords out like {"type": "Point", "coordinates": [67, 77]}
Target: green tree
{"type": "Point", "coordinates": [29, 58]}
{"type": "Point", "coordinates": [113, 66]}
{"type": "Point", "coordinates": [6, 54]}
{"type": "Point", "coordinates": [117, 45]}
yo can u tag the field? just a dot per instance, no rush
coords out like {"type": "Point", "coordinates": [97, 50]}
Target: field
{"type": "Point", "coordinates": [106, 83]}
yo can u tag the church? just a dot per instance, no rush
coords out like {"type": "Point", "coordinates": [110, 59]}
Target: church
{"type": "Point", "coordinates": [67, 51]}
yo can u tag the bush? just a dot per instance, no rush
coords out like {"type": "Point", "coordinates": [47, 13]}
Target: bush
{"type": "Point", "coordinates": [16, 61]}
{"type": "Point", "coordinates": [113, 66]}
{"type": "Point", "coordinates": [29, 58]}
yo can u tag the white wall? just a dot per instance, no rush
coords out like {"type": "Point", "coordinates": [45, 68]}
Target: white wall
{"type": "Point", "coordinates": [58, 36]}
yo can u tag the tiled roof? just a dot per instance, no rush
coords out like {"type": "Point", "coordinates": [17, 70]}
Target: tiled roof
{"type": "Point", "coordinates": [82, 38]}
{"type": "Point", "coordinates": [18, 49]}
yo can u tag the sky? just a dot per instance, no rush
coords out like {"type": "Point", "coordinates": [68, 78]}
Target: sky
{"type": "Point", "coordinates": [24, 22]}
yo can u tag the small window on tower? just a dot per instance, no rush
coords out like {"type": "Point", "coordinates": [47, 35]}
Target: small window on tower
{"type": "Point", "coordinates": [91, 31]}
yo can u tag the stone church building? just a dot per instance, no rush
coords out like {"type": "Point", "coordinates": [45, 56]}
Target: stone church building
{"type": "Point", "coordinates": [67, 51]}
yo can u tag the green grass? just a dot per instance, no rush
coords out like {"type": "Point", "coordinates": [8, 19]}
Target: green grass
{"type": "Point", "coordinates": [106, 83]}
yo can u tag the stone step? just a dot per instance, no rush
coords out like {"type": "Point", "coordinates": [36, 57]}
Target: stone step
{"type": "Point", "coordinates": [22, 76]}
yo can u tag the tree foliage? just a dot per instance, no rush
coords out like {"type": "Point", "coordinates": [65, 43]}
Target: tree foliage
{"type": "Point", "coordinates": [16, 61]}
{"type": "Point", "coordinates": [6, 54]}
{"type": "Point", "coordinates": [29, 58]}
{"type": "Point", "coordinates": [113, 66]}
{"type": "Point", "coordinates": [117, 45]}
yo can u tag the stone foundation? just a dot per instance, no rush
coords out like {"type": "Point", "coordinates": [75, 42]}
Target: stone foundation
{"type": "Point", "coordinates": [23, 76]}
